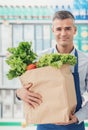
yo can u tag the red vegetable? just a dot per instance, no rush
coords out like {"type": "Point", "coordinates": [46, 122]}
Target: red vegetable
{"type": "Point", "coordinates": [31, 66]}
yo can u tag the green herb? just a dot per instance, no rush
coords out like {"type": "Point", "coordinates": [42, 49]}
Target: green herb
{"type": "Point", "coordinates": [56, 60]}
{"type": "Point", "coordinates": [20, 57]}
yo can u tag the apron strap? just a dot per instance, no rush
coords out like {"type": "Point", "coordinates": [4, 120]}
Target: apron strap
{"type": "Point", "coordinates": [76, 66]}
{"type": "Point", "coordinates": [77, 83]}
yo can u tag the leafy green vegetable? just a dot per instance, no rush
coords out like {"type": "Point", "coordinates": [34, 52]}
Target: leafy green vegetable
{"type": "Point", "coordinates": [56, 60]}
{"type": "Point", "coordinates": [23, 55]}
{"type": "Point", "coordinates": [20, 57]}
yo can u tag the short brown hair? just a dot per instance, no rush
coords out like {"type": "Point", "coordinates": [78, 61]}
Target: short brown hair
{"type": "Point", "coordinates": [63, 14]}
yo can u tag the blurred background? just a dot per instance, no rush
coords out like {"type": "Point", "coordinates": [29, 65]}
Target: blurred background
{"type": "Point", "coordinates": [28, 20]}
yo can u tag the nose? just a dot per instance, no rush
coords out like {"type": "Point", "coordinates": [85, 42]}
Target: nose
{"type": "Point", "coordinates": [63, 32]}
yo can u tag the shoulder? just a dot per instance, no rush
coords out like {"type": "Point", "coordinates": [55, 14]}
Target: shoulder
{"type": "Point", "coordinates": [46, 51]}
{"type": "Point", "coordinates": [83, 57]}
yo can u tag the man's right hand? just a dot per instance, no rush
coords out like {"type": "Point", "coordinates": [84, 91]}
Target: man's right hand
{"type": "Point", "coordinates": [30, 97]}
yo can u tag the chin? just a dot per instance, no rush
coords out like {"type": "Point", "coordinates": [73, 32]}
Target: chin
{"type": "Point", "coordinates": [64, 44]}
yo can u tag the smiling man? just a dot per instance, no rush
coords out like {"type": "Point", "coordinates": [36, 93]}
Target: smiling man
{"type": "Point", "coordinates": [64, 29]}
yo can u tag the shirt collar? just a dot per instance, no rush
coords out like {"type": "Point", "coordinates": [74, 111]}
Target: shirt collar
{"type": "Point", "coordinates": [72, 52]}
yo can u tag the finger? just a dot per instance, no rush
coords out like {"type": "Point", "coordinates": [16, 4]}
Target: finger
{"type": "Point", "coordinates": [35, 104]}
{"type": "Point", "coordinates": [32, 103]}
{"type": "Point", "coordinates": [71, 117]}
{"type": "Point", "coordinates": [31, 95]}
{"type": "Point", "coordinates": [38, 101]}
{"type": "Point", "coordinates": [36, 95]}
{"type": "Point", "coordinates": [74, 118]}
{"type": "Point", "coordinates": [27, 86]}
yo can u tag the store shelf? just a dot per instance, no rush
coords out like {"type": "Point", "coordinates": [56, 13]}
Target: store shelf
{"type": "Point", "coordinates": [14, 122]}
{"type": "Point", "coordinates": [19, 21]}
{"type": "Point", "coordinates": [81, 22]}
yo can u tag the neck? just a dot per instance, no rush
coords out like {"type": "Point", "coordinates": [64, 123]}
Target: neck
{"type": "Point", "coordinates": [64, 49]}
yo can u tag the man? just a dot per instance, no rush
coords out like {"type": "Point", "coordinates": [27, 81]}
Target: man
{"type": "Point", "coordinates": [64, 29]}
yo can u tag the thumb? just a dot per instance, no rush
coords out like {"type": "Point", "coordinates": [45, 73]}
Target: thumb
{"type": "Point", "coordinates": [27, 86]}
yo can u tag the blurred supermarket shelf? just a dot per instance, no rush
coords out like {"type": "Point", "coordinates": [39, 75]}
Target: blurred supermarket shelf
{"type": "Point", "coordinates": [26, 21]}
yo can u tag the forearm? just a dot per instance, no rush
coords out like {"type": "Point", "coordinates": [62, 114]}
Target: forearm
{"type": "Point", "coordinates": [82, 114]}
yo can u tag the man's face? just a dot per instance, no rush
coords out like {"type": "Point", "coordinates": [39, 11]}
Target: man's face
{"type": "Point", "coordinates": [64, 31]}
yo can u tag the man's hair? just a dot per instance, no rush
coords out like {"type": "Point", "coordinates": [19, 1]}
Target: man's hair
{"type": "Point", "coordinates": [63, 14]}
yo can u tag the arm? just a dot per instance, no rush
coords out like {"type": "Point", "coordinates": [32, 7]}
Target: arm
{"type": "Point", "coordinates": [28, 96]}
{"type": "Point", "coordinates": [82, 114]}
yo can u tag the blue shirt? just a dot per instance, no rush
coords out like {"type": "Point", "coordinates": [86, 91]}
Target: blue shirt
{"type": "Point", "coordinates": [82, 114]}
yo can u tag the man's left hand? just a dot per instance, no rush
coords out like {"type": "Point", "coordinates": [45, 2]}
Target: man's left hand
{"type": "Point", "coordinates": [73, 119]}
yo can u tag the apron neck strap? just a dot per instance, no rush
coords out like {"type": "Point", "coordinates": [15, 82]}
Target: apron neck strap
{"type": "Point", "coordinates": [76, 66]}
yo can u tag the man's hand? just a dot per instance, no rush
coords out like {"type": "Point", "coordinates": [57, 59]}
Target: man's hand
{"type": "Point", "coordinates": [73, 119]}
{"type": "Point", "coordinates": [33, 99]}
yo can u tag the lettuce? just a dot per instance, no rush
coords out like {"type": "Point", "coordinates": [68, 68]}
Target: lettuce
{"type": "Point", "coordinates": [56, 60]}
{"type": "Point", "coordinates": [19, 58]}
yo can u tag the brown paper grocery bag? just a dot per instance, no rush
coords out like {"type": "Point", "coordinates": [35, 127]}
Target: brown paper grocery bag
{"type": "Point", "coordinates": [58, 94]}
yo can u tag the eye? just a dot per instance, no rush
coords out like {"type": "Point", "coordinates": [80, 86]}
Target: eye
{"type": "Point", "coordinates": [68, 28]}
{"type": "Point", "coordinates": [58, 29]}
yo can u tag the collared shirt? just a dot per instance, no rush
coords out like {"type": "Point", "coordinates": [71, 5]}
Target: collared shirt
{"type": "Point", "coordinates": [82, 114]}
